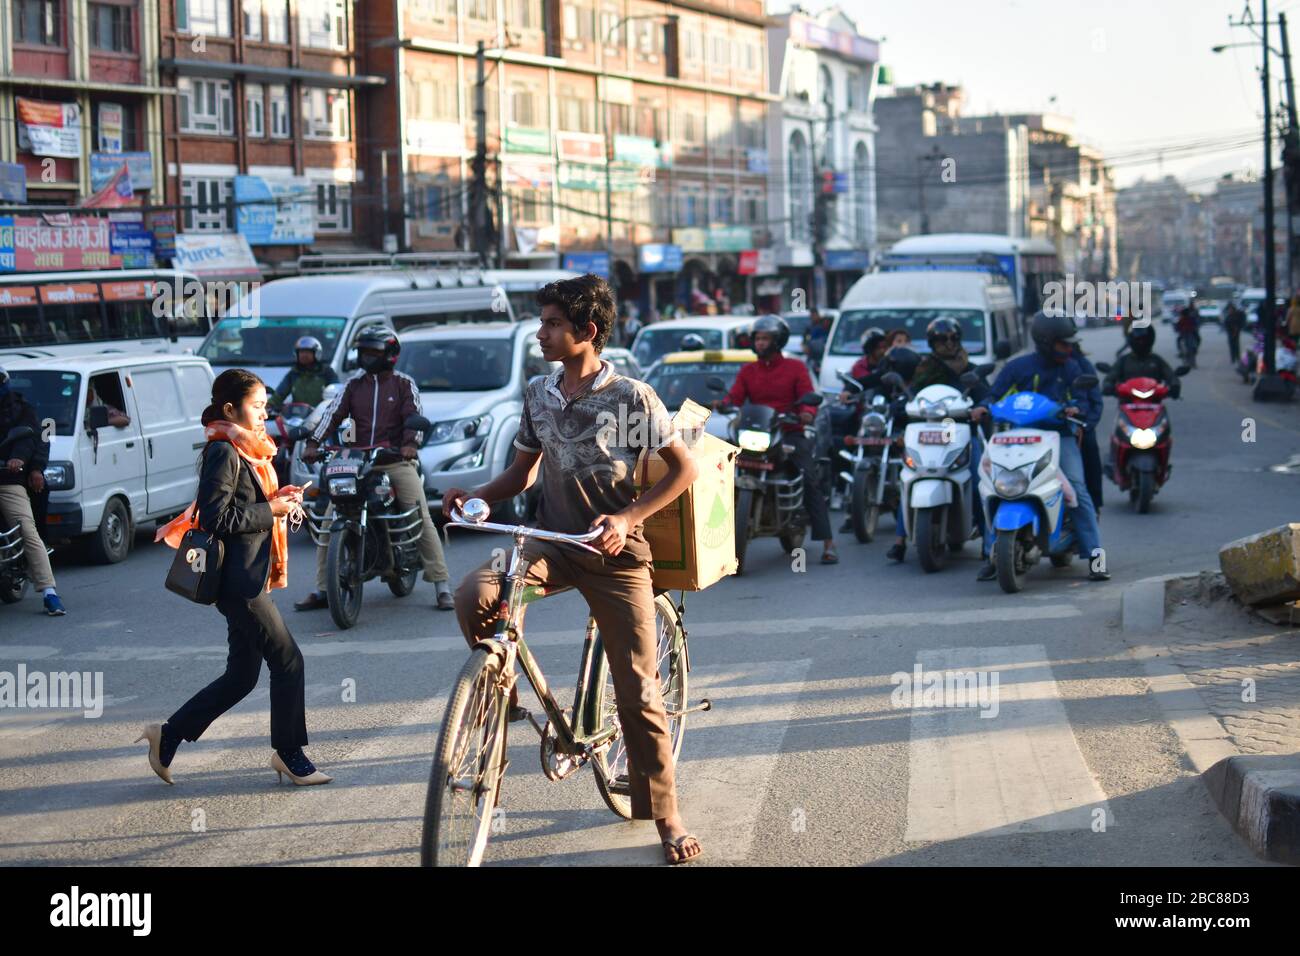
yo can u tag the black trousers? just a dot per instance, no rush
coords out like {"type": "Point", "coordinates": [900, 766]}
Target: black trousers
{"type": "Point", "coordinates": [1234, 346]}
{"type": "Point", "coordinates": [814, 499]}
{"type": "Point", "coordinates": [257, 632]}
{"type": "Point", "coordinates": [1092, 466]}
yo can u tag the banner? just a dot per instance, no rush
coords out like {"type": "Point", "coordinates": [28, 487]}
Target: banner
{"type": "Point", "coordinates": [71, 242]}
{"type": "Point", "coordinates": [49, 129]}
{"type": "Point", "coordinates": [110, 127]}
{"type": "Point", "coordinates": [130, 239]}
{"type": "Point", "coordinates": [13, 183]}
{"type": "Point", "coordinates": [284, 218]}
{"type": "Point", "coordinates": [8, 261]}
{"type": "Point", "coordinates": [216, 257]}
{"type": "Point", "coordinates": [103, 166]}
{"type": "Point", "coordinates": [116, 192]}
{"type": "Point", "coordinates": [163, 226]}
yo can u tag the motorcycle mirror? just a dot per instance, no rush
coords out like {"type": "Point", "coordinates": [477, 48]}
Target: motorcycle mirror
{"type": "Point", "coordinates": [812, 398]}
{"type": "Point", "coordinates": [893, 379]}
{"type": "Point", "coordinates": [982, 370]}
{"type": "Point", "coordinates": [1085, 382]}
{"type": "Point", "coordinates": [969, 379]}
{"type": "Point", "coordinates": [715, 384]}
{"type": "Point", "coordinates": [1182, 370]}
{"type": "Point", "coordinates": [420, 425]}
{"type": "Point", "coordinates": [1002, 349]}
{"type": "Point", "coordinates": [350, 362]}
{"type": "Point", "coordinates": [1102, 367]}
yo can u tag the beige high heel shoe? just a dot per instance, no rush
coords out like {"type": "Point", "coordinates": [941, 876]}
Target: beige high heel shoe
{"type": "Point", "coordinates": [310, 780]}
{"type": "Point", "coordinates": [153, 734]}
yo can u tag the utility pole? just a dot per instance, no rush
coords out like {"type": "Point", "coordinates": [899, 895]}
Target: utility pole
{"type": "Point", "coordinates": [480, 222]}
{"type": "Point", "coordinates": [1291, 155]}
{"type": "Point", "coordinates": [925, 159]}
{"type": "Point", "coordinates": [1270, 259]}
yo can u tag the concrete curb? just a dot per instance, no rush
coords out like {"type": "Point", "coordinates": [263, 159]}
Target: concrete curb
{"type": "Point", "coordinates": [1258, 795]}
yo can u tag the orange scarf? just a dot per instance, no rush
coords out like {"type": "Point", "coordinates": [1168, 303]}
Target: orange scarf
{"type": "Point", "coordinates": [258, 451]}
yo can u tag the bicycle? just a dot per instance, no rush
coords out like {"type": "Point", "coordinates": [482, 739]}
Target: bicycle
{"type": "Point", "coordinates": [469, 759]}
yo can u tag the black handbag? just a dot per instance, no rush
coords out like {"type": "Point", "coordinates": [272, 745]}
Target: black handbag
{"type": "Point", "coordinates": [196, 570]}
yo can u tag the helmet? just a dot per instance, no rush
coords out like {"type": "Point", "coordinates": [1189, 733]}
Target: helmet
{"type": "Point", "coordinates": [871, 339]}
{"type": "Point", "coordinates": [308, 343]}
{"type": "Point", "coordinates": [774, 324]}
{"type": "Point", "coordinates": [382, 340]}
{"type": "Point", "coordinates": [1141, 339]}
{"type": "Point", "coordinates": [1046, 330]}
{"type": "Point", "coordinates": [692, 342]}
{"type": "Point", "coordinates": [942, 326]}
{"type": "Point", "coordinates": [902, 360]}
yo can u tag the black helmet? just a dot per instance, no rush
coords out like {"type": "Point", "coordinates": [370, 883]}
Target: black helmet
{"type": "Point", "coordinates": [902, 360]}
{"type": "Point", "coordinates": [942, 326]}
{"type": "Point", "coordinates": [1141, 339]}
{"type": "Point", "coordinates": [1046, 330]}
{"type": "Point", "coordinates": [308, 343]}
{"type": "Point", "coordinates": [871, 339]}
{"type": "Point", "coordinates": [774, 324]}
{"type": "Point", "coordinates": [381, 340]}
{"type": "Point", "coordinates": [693, 342]}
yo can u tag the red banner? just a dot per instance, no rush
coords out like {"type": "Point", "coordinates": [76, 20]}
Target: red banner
{"type": "Point", "coordinates": [70, 293]}
{"type": "Point", "coordinates": [82, 243]}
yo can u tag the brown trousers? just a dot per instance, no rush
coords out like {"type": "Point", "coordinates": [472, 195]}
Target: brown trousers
{"type": "Point", "coordinates": [621, 599]}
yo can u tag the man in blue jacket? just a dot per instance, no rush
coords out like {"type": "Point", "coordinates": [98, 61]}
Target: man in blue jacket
{"type": "Point", "coordinates": [1050, 370]}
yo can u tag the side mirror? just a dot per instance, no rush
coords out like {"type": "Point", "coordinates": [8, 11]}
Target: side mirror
{"type": "Point", "coordinates": [1086, 382]}
{"type": "Point", "coordinates": [893, 379]}
{"type": "Point", "coordinates": [1002, 349]}
{"type": "Point", "coordinates": [1102, 367]}
{"type": "Point", "coordinates": [350, 362]}
{"type": "Point", "coordinates": [1182, 370]}
{"type": "Point", "coordinates": [812, 398]}
{"type": "Point", "coordinates": [421, 426]}
{"type": "Point", "coordinates": [969, 380]}
{"type": "Point", "coordinates": [715, 384]}
{"type": "Point", "coordinates": [97, 418]}
{"type": "Point", "coordinates": [982, 370]}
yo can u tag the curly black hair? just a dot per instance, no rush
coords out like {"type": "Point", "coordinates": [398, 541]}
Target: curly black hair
{"type": "Point", "coordinates": [582, 300]}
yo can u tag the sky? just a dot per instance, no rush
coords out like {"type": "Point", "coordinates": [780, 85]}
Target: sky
{"type": "Point", "coordinates": [1137, 77]}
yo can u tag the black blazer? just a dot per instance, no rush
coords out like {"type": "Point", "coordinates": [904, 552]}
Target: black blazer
{"type": "Point", "coordinates": [233, 507]}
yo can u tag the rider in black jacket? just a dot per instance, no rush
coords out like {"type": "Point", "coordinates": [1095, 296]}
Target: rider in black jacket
{"type": "Point", "coordinates": [1140, 361]}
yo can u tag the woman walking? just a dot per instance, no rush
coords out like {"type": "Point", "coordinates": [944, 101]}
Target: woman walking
{"type": "Point", "coordinates": [239, 501]}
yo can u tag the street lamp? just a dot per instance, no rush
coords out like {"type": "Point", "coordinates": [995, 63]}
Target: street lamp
{"type": "Point", "coordinates": [670, 18]}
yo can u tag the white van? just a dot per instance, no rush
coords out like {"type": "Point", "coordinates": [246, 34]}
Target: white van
{"type": "Point", "coordinates": [336, 308]}
{"type": "Point", "coordinates": [105, 482]}
{"type": "Point", "coordinates": [981, 303]}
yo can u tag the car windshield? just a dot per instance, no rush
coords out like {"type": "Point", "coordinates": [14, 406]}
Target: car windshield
{"type": "Point", "coordinates": [268, 340]}
{"type": "Point", "coordinates": [677, 381]}
{"type": "Point", "coordinates": [53, 395]}
{"type": "Point", "coordinates": [457, 365]}
{"type": "Point", "coordinates": [653, 344]}
{"type": "Point", "coordinates": [798, 322]}
{"type": "Point", "coordinates": [853, 322]}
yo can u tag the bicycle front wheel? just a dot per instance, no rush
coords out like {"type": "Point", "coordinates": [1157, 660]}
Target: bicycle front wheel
{"type": "Point", "coordinates": [611, 764]}
{"type": "Point", "coordinates": [467, 767]}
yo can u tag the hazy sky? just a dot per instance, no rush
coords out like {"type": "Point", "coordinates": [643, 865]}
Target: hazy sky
{"type": "Point", "coordinates": [1135, 75]}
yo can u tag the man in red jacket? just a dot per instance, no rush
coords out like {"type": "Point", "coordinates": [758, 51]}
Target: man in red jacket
{"type": "Point", "coordinates": [778, 382]}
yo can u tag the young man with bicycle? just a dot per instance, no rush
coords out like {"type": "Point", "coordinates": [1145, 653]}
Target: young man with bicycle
{"type": "Point", "coordinates": [587, 427]}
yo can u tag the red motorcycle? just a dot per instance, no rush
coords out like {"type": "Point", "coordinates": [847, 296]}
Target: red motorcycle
{"type": "Point", "coordinates": [286, 429]}
{"type": "Point", "coordinates": [1142, 439]}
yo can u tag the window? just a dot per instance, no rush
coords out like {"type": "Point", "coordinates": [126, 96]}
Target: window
{"type": "Point", "coordinates": [800, 187]}
{"type": "Point", "coordinates": [523, 105]}
{"type": "Point", "coordinates": [325, 114]}
{"type": "Point", "coordinates": [323, 23]}
{"type": "Point", "coordinates": [110, 27]}
{"type": "Point", "coordinates": [210, 17]}
{"type": "Point", "coordinates": [613, 30]}
{"type": "Point", "coordinates": [619, 118]}
{"type": "Point", "coordinates": [722, 212]}
{"type": "Point", "coordinates": [576, 110]}
{"type": "Point", "coordinates": [206, 106]}
{"type": "Point", "coordinates": [253, 19]}
{"type": "Point", "coordinates": [690, 127]}
{"type": "Point", "coordinates": [577, 26]}
{"type": "Point", "coordinates": [693, 45]}
{"type": "Point", "coordinates": [254, 110]}
{"type": "Point", "coordinates": [333, 207]}
{"type": "Point", "coordinates": [721, 52]}
{"type": "Point", "coordinates": [37, 22]}
{"type": "Point", "coordinates": [524, 14]}
{"type": "Point", "coordinates": [650, 118]}
{"type": "Point", "coordinates": [753, 206]}
{"type": "Point", "coordinates": [279, 112]}
{"type": "Point", "coordinates": [277, 20]}
{"type": "Point", "coordinates": [648, 39]}
{"type": "Point", "coordinates": [853, 81]}
{"type": "Point", "coordinates": [431, 200]}
{"type": "Point", "coordinates": [208, 204]}
{"type": "Point", "coordinates": [433, 98]}
{"type": "Point", "coordinates": [481, 10]}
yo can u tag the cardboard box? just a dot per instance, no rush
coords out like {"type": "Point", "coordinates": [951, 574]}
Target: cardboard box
{"type": "Point", "coordinates": [693, 539]}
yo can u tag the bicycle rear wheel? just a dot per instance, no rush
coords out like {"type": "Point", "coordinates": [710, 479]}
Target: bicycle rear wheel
{"type": "Point", "coordinates": [468, 764]}
{"type": "Point", "coordinates": [602, 712]}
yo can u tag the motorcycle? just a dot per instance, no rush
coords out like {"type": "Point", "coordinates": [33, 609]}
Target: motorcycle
{"type": "Point", "coordinates": [1142, 439]}
{"type": "Point", "coordinates": [1187, 347]}
{"type": "Point", "coordinates": [769, 485]}
{"type": "Point", "coordinates": [286, 429]}
{"type": "Point", "coordinates": [938, 489]}
{"type": "Point", "coordinates": [369, 536]}
{"type": "Point", "coordinates": [1026, 495]}
{"type": "Point", "coordinates": [872, 473]}
{"type": "Point", "coordinates": [14, 575]}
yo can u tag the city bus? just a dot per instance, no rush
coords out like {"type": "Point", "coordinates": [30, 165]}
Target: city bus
{"type": "Point", "coordinates": [1028, 264]}
{"type": "Point", "coordinates": [122, 310]}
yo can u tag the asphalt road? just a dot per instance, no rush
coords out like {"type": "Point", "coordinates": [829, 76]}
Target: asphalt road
{"type": "Point", "coordinates": [804, 759]}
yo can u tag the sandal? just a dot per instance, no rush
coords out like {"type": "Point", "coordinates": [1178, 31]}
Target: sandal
{"type": "Point", "coordinates": [830, 557]}
{"type": "Point", "coordinates": [677, 845]}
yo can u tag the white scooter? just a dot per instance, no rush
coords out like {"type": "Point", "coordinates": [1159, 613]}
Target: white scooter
{"type": "Point", "coordinates": [938, 490]}
{"type": "Point", "coordinates": [1026, 495]}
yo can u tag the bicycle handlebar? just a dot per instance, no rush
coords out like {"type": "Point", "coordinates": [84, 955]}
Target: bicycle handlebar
{"type": "Point", "coordinates": [577, 540]}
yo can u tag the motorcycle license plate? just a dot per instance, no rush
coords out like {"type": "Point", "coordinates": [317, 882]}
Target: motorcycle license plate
{"type": "Point", "coordinates": [934, 438]}
{"type": "Point", "coordinates": [756, 465]}
{"type": "Point", "coordinates": [870, 441]}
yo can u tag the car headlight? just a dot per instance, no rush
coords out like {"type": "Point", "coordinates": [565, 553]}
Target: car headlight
{"type": "Point", "coordinates": [1143, 438]}
{"type": "Point", "coordinates": [343, 487]}
{"type": "Point", "coordinates": [458, 429]}
{"type": "Point", "coordinates": [60, 475]}
{"type": "Point", "coordinates": [751, 440]}
{"type": "Point", "coordinates": [1011, 483]}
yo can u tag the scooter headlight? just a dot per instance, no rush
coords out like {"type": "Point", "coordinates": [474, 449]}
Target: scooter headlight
{"type": "Point", "coordinates": [1011, 483]}
{"type": "Point", "coordinates": [754, 440]}
{"type": "Point", "coordinates": [873, 423]}
{"type": "Point", "coordinates": [1143, 438]}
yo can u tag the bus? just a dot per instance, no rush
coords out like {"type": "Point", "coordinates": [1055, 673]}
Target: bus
{"type": "Point", "coordinates": [1028, 264]}
{"type": "Point", "coordinates": [123, 310]}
